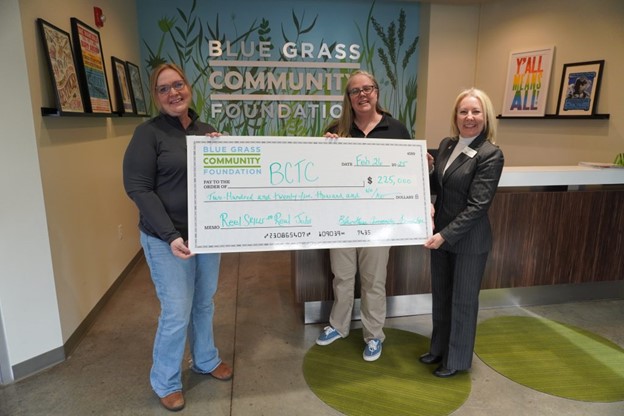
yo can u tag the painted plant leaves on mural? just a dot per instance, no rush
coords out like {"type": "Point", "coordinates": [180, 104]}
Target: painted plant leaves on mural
{"type": "Point", "coordinates": [283, 73]}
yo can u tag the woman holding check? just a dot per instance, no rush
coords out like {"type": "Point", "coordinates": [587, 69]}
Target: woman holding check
{"type": "Point", "coordinates": [465, 179]}
{"type": "Point", "coordinates": [155, 178]}
{"type": "Point", "coordinates": [362, 117]}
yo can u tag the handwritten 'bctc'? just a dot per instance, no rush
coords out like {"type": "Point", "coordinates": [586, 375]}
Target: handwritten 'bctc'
{"type": "Point", "coordinates": [292, 172]}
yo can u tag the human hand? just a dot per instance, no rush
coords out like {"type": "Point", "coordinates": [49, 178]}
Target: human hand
{"type": "Point", "coordinates": [180, 249]}
{"type": "Point", "coordinates": [430, 162]}
{"type": "Point", "coordinates": [432, 215]}
{"type": "Point", "coordinates": [331, 135]}
{"type": "Point", "coordinates": [215, 134]}
{"type": "Point", "coordinates": [434, 242]}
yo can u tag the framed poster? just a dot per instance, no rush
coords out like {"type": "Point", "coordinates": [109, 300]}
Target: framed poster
{"type": "Point", "coordinates": [580, 85]}
{"type": "Point", "coordinates": [528, 77]}
{"type": "Point", "coordinates": [91, 68]}
{"type": "Point", "coordinates": [122, 86]}
{"type": "Point", "coordinates": [59, 55]}
{"type": "Point", "coordinates": [136, 89]}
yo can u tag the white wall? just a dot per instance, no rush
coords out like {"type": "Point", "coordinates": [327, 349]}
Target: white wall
{"type": "Point", "coordinates": [581, 31]}
{"type": "Point", "coordinates": [28, 302]}
{"type": "Point", "coordinates": [80, 160]}
{"type": "Point", "coordinates": [471, 44]}
{"type": "Point", "coordinates": [64, 201]}
{"type": "Point", "coordinates": [448, 63]}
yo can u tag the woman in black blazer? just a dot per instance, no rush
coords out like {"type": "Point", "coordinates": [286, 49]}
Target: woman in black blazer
{"type": "Point", "coordinates": [465, 177]}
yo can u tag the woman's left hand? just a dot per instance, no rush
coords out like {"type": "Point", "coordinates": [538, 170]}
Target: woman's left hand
{"type": "Point", "coordinates": [214, 134]}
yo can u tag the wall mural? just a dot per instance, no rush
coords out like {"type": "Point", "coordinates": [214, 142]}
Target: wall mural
{"type": "Point", "coordinates": [279, 67]}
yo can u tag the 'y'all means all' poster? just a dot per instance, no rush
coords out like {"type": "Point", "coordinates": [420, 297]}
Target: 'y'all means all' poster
{"type": "Point", "coordinates": [528, 76]}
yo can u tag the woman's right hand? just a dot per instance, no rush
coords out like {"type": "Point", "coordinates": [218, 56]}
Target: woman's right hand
{"type": "Point", "coordinates": [331, 135]}
{"type": "Point", "coordinates": [434, 242]}
{"type": "Point", "coordinates": [430, 162]}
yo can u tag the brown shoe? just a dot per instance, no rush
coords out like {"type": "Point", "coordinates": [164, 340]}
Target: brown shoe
{"type": "Point", "coordinates": [173, 401]}
{"type": "Point", "coordinates": [223, 372]}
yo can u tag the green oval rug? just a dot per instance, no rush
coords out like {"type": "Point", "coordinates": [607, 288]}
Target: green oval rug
{"type": "Point", "coordinates": [396, 384]}
{"type": "Point", "coordinates": [552, 357]}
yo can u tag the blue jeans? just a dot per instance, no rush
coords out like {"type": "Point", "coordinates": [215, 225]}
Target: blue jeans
{"type": "Point", "coordinates": [185, 289]}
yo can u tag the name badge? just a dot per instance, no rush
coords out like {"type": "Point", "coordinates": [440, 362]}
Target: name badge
{"type": "Point", "coordinates": [469, 151]}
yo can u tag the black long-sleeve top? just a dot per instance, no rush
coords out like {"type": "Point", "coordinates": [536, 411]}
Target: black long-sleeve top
{"type": "Point", "coordinates": [387, 128]}
{"type": "Point", "coordinates": [155, 174]}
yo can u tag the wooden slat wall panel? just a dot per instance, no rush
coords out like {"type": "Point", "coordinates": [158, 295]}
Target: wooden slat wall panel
{"type": "Point", "coordinates": [548, 238]}
{"type": "Point", "coordinates": [540, 238]}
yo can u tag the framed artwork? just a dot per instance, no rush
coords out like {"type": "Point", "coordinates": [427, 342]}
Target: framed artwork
{"type": "Point", "coordinates": [91, 68]}
{"type": "Point", "coordinates": [528, 78]}
{"type": "Point", "coordinates": [59, 55]}
{"type": "Point", "coordinates": [580, 85]}
{"type": "Point", "coordinates": [136, 89]}
{"type": "Point", "coordinates": [122, 86]}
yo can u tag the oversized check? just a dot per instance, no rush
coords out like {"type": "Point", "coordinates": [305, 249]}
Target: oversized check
{"type": "Point", "coordinates": [293, 193]}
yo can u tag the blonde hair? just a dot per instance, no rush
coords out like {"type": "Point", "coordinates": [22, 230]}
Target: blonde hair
{"type": "Point", "coordinates": [344, 123]}
{"type": "Point", "coordinates": [154, 79]}
{"type": "Point", "coordinates": [489, 128]}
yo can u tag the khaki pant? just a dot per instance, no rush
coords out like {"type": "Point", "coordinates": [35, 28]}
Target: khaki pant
{"type": "Point", "coordinates": [372, 263]}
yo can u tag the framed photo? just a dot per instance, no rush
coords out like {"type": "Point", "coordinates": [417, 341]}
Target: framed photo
{"type": "Point", "coordinates": [580, 85]}
{"type": "Point", "coordinates": [60, 57]}
{"type": "Point", "coordinates": [528, 78]}
{"type": "Point", "coordinates": [91, 68]}
{"type": "Point", "coordinates": [122, 86]}
{"type": "Point", "coordinates": [136, 89]}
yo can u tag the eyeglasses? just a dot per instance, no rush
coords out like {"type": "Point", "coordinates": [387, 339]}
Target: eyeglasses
{"type": "Point", "coordinates": [366, 89]}
{"type": "Point", "coordinates": [164, 89]}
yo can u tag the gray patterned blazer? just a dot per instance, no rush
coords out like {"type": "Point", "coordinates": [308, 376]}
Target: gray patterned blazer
{"type": "Point", "coordinates": [464, 194]}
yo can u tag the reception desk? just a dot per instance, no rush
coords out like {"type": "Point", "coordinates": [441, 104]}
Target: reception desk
{"type": "Point", "coordinates": [558, 236]}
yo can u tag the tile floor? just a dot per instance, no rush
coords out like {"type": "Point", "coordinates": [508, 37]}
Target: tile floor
{"type": "Point", "coordinates": [259, 330]}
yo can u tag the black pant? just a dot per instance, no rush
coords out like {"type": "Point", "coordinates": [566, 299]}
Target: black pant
{"type": "Point", "coordinates": [455, 285]}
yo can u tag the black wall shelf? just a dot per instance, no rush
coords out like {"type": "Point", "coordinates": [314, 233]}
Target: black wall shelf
{"type": "Point", "coordinates": [558, 117]}
{"type": "Point", "coordinates": [55, 112]}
